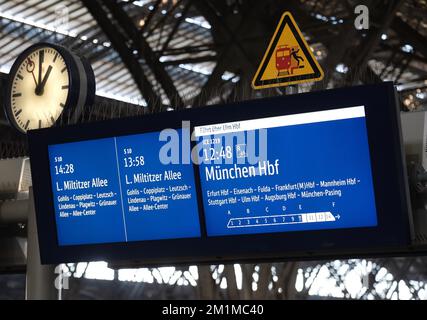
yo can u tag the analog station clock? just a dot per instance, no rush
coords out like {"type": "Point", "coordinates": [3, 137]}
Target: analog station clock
{"type": "Point", "coordinates": [46, 82]}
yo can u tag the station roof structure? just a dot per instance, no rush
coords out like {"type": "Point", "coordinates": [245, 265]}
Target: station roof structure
{"type": "Point", "coordinates": [188, 53]}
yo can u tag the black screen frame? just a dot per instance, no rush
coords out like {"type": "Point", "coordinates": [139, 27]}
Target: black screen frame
{"type": "Point", "coordinates": [392, 234]}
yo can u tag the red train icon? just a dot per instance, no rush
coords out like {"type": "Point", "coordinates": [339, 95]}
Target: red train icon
{"type": "Point", "coordinates": [287, 60]}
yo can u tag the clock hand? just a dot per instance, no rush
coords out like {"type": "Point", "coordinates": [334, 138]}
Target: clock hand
{"type": "Point", "coordinates": [30, 69]}
{"type": "Point", "coordinates": [40, 87]}
{"type": "Point", "coordinates": [34, 77]}
{"type": "Point", "coordinates": [41, 60]}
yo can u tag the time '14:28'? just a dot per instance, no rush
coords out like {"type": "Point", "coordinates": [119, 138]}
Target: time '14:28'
{"type": "Point", "coordinates": [67, 168]}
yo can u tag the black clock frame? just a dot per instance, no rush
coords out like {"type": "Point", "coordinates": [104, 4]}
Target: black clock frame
{"type": "Point", "coordinates": [81, 81]}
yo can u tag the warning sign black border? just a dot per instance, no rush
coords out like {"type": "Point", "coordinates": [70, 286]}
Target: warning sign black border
{"type": "Point", "coordinates": [316, 74]}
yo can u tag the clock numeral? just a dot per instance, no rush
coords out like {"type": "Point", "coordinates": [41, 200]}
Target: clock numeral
{"type": "Point", "coordinates": [40, 124]}
{"type": "Point", "coordinates": [56, 56]}
{"type": "Point", "coordinates": [17, 95]}
{"type": "Point", "coordinates": [18, 112]}
{"type": "Point", "coordinates": [27, 124]}
{"type": "Point", "coordinates": [52, 119]}
{"type": "Point", "coordinates": [20, 77]}
{"type": "Point", "coordinates": [65, 87]}
{"type": "Point", "coordinates": [62, 105]}
{"type": "Point", "coordinates": [63, 70]}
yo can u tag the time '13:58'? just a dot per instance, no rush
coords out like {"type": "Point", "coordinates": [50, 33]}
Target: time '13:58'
{"type": "Point", "coordinates": [130, 160]}
{"type": "Point", "coordinates": [136, 161]}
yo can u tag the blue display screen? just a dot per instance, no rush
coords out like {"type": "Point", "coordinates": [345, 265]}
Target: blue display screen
{"type": "Point", "coordinates": [116, 190]}
{"type": "Point", "coordinates": [308, 171]}
{"type": "Point", "coordinates": [300, 172]}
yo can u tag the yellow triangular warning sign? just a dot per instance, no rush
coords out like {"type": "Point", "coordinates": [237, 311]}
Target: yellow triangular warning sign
{"type": "Point", "coordinates": [288, 59]}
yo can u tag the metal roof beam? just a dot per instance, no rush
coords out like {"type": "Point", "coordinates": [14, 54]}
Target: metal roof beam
{"type": "Point", "coordinates": [189, 60]}
{"type": "Point", "coordinates": [412, 36]}
{"type": "Point", "coordinates": [118, 41]}
{"type": "Point", "coordinates": [144, 49]}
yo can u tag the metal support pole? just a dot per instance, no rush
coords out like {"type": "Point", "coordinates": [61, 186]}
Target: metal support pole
{"type": "Point", "coordinates": [40, 278]}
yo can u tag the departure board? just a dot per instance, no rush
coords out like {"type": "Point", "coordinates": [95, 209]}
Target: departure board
{"type": "Point", "coordinates": [316, 175]}
{"type": "Point", "coordinates": [309, 171]}
{"type": "Point", "coordinates": [116, 190]}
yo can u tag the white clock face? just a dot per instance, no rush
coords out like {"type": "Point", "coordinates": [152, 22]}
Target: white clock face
{"type": "Point", "coordinates": [40, 89]}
